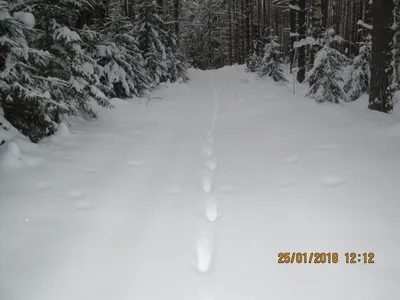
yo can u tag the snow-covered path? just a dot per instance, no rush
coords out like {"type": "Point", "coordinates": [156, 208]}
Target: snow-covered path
{"type": "Point", "coordinates": [194, 195]}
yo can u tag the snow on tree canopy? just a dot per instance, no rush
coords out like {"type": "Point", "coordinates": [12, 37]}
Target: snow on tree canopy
{"type": "Point", "coordinates": [27, 18]}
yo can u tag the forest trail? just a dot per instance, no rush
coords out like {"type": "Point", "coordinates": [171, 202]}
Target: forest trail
{"type": "Point", "coordinates": [192, 197]}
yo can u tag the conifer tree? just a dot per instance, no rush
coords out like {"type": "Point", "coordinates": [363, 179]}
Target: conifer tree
{"type": "Point", "coordinates": [272, 62]}
{"type": "Point", "coordinates": [119, 61]}
{"type": "Point", "coordinates": [360, 74]}
{"type": "Point", "coordinates": [325, 78]}
{"type": "Point", "coordinates": [81, 86]}
{"type": "Point", "coordinates": [151, 36]}
{"type": "Point", "coordinates": [24, 97]}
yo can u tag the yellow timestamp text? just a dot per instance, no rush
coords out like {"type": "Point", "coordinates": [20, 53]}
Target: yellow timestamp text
{"type": "Point", "coordinates": [325, 258]}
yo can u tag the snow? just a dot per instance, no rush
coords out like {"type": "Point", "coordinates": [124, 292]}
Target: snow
{"type": "Point", "coordinates": [294, 7]}
{"type": "Point", "coordinates": [194, 196]}
{"type": "Point", "coordinates": [62, 130]}
{"type": "Point", "coordinates": [27, 18]}
{"type": "Point", "coordinates": [309, 40]}
{"type": "Point", "coordinates": [365, 25]}
{"type": "Point", "coordinates": [4, 14]}
{"type": "Point", "coordinates": [64, 33]}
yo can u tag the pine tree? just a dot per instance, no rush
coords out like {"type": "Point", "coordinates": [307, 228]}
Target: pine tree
{"type": "Point", "coordinates": [272, 62]}
{"type": "Point", "coordinates": [360, 74]}
{"type": "Point", "coordinates": [75, 70]}
{"type": "Point", "coordinates": [151, 36]}
{"type": "Point", "coordinates": [119, 62]}
{"type": "Point", "coordinates": [324, 78]}
{"type": "Point", "coordinates": [253, 63]}
{"type": "Point", "coordinates": [24, 97]}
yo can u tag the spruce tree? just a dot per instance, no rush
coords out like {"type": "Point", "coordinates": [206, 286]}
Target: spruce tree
{"type": "Point", "coordinates": [119, 61]}
{"type": "Point", "coordinates": [272, 62]}
{"type": "Point", "coordinates": [70, 64]}
{"type": "Point", "coordinates": [150, 36]}
{"type": "Point", "coordinates": [360, 74]}
{"type": "Point", "coordinates": [25, 100]}
{"type": "Point", "coordinates": [325, 78]}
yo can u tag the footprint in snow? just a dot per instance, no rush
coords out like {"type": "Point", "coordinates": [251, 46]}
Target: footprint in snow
{"type": "Point", "coordinates": [89, 170]}
{"type": "Point", "coordinates": [327, 147]}
{"type": "Point", "coordinates": [134, 163]}
{"type": "Point", "coordinates": [227, 189]}
{"type": "Point", "coordinates": [208, 149]}
{"type": "Point", "coordinates": [43, 185]}
{"type": "Point", "coordinates": [210, 140]}
{"type": "Point", "coordinates": [211, 164]}
{"type": "Point", "coordinates": [139, 132]}
{"type": "Point", "coordinates": [292, 159]}
{"type": "Point", "coordinates": [83, 205]}
{"type": "Point", "coordinates": [204, 254]}
{"type": "Point", "coordinates": [174, 190]}
{"type": "Point", "coordinates": [333, 180]}
{"type": "Point", "coordinates": [211, 209]}
{"type": "Point", "coordinates": [207, 182]}
{"type": "Point", "coordinates": [76, 194]}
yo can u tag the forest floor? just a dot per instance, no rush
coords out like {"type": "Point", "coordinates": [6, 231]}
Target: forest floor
{"type": "Point", "coordinates": [195, 194]}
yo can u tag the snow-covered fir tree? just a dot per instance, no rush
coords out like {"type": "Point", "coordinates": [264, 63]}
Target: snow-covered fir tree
{"type": "Point", "coordinates": [119, 62]}
{"type": "Point", "coordinates": [272, 62]}
{"type": "Point", "coordinates": [157, 45]}
{"type": "Point", "coordinates": [326, 82]}
{"type": "Point", "coordinates": [253, 63]}
{"type": "Point", "coordinates": [360, 74]}
{"type": "Point", "coordinates": [81, 85]}
{"type": "Point", "coordinates": [25, 100]}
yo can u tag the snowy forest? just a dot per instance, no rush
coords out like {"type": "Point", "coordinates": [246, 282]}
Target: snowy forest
{"type": "Point", "coordinates": [60, 57]}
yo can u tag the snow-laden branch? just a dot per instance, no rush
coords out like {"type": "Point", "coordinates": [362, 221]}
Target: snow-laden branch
{"type": "Point", "coordinates": [365, 25]}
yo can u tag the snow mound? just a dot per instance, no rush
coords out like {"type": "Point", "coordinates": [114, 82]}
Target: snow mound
{"type": "Point", "coordinates": [27, 18]}
{"type": "Point", "coordinates": [62, 130]}
{"type": "Point", "coordinates": [10, 156]}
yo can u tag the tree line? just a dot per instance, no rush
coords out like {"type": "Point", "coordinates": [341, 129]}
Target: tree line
{"type": "Point", "coordinates": [58, 57]}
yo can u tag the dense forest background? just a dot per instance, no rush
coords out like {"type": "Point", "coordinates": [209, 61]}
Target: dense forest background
{"type": "Point", "coordinates": [58, 57]}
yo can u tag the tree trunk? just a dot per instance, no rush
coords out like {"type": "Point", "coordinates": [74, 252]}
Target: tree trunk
{"type": "Point", "coordinates": [315, 29]}
{"type": "Point", "coordinates": [301, 74]}
{"type": "Point", "coordinates": [380, 96]}
{"type": "Point", "coordinates": [293, 32]}
{"type": "Point", "coordinates": [176, 17]}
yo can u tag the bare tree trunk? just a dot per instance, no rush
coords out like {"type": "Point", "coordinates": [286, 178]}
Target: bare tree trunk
{"type": "Point", "coordinates": [380, 97]}
{"type": "Point", "coordinates": [293, 32]}
{"type": "Point", "coordinates": [301, 74]}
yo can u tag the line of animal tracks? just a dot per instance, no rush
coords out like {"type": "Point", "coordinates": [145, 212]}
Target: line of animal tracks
{"type": "Point", "coordinates": [205, 248]}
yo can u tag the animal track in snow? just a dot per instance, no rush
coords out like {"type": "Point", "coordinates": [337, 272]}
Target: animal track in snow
{"type": "Point", "coordinates": [211, 164]}
{"type": "Point", "coordinates": [139, 132]}
{"type": "Point", "coordinates": [226, 189]}
{"type": "Point", "coordinates": [208, 149]}
{"type": "Point", "coordinates": [76, 194]}
{"type": "Point", "coordinates": [134, 163]}
{"type": "Point", "coordinates": [204, 254]}
{"type": "Point", "coordinates": [292, 159]}
{"type": "Point", "coordinates": [211, 209]}
{"type": "Point", "coordinates": [83, 205]}
{"type": "Point", "coordinates": [89, 170]}
{"type": "Point", "coordinates": [333, 180]}
{"type": "Point", "coordinates": [174, 190]}
{"type": "Point", "coordinates": [210, 140]}
{"type": "Point", "coordinates": [207, 182]}
{"type": "Point", "coordinates": [43, 185]}
{"type": "Point", "coordinates": [325, 147]}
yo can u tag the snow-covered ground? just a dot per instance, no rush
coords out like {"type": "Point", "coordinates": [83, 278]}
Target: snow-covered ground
{"type": "Point", "coordinates": [194, 196]}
